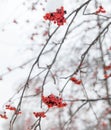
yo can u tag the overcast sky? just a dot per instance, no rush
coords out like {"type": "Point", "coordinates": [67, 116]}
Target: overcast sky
{"type": "Point", "coordinates": [13, 38]}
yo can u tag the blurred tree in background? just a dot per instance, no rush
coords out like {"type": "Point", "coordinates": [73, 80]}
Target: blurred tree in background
{"type": "Point", "coordinates": [66, 81]}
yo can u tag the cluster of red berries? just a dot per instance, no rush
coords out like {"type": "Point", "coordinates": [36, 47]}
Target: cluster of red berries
{"type": "Point", "coordinates": [53, 100]}
{"type": "Point", "coordinates": [8, 107]}
{"type": "Point", "coordinates": [100, 10]}
{"type": "Point", "coordinates": [11, 108]}
{"type": "Point", "coordinates": [107, 76]}
{"type": "Point", "coordinates": [76, 81]}
{"type": "Point", "coordinates": [56, 17]}
{"type": "Point", "coordinates": [107, 67]}
{"type": "Point", "coordinates": [39, 114]}
{"type": "Point", "coordinates": [4, 116]}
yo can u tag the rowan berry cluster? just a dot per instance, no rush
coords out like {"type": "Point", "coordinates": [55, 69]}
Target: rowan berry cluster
{"type": "Point", "coordinates": [57, 17]}
{"type": "Point", "coordinates": [4, 116]}
{"type": "Point", "coordinates": [53, 100]}
{"type": "Point", "coordinates": [107, 67]}
{"type": "Point", "coordinates": [11, 108]}
{"type": "Point", "coordinates": [8, 107]}
{"type": "Point", "coordinates": [39, 114]}
{"type": "Point", "coordinates": [76, 81]}
{"type": "Point", "coordinates": [100, 10]}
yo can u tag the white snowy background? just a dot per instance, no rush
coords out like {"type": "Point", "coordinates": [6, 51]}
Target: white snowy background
{"type": "Point", "coordinates": [14, 40]}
